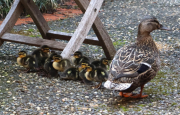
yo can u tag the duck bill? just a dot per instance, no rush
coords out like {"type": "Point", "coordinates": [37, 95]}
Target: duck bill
{"type": "Point", "coordinates": [164, 28]}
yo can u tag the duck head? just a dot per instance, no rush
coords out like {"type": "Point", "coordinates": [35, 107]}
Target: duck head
{"type": "Point", "coordinates": [148, 24]}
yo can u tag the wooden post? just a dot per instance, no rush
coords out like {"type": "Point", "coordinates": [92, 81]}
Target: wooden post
{"type": "Point", "coordinates": [11, 18]}
{"type": "Point", "coordinates": [100, 31]}
{"type": "Point", "coordinates": [37, 17]}
{"type": "Point", "coordinates": [77, 38]}
{"type": "Point", "coordinates": [83, 28]}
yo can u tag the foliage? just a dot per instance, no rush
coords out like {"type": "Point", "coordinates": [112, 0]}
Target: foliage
{"type": "Point", "coordinates": [5, 5]}
{"type": "Point", "coordinates": [47, 6]}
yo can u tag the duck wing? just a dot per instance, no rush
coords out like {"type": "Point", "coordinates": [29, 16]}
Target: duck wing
{"type": "Point", "coordinates": [129, 62]}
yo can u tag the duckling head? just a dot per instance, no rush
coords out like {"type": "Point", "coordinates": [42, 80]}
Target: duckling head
{"type": "Point", "coordinates": [22, 54]}
{"type": "Point", "coordinates": [45, 48]}
{"type": "Point", "coordinates": [52, 55]}
{"type": "Point", "coordinates": [104, 61]}
{"type": "Point", "coordinates": [148, 24]}
{"type": "Point", "coordinates": [57, 58]}
{"type": "Point", "coordinates": [77, 54]}
{"type": "Point", "coordinates": [82, 66]}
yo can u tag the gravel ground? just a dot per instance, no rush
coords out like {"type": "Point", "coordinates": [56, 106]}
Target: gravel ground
{"type": "Point", "coordinates": [29, 94]}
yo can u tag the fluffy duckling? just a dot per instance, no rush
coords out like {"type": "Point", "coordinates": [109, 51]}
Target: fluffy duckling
{"type": "Point", "coordinates": [60, 64]}
{"type": "Point", "coordinates": [78, 58]}
{"type": "Point", "coordinates": [48, 66]}
{"type": "Point", "coordinates": [103, 63]}
{"type": "Point", "coordinates": [82, 71]}
{"type": "Point", "coordinates": [135, 65]}
{"type": "Point", "coordinates": [71, 73]}
{"type": "Point", "coordinates": [26, 61]}
{"type": "Point", "coordinates": [96, 74]}
{"type": "Point", "coordinates": [41, 54]}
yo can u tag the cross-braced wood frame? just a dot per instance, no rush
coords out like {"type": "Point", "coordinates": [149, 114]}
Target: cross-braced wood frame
{"type": "Point", "coordinates": [90, 19]}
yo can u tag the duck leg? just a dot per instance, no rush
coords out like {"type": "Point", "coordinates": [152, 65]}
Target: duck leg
{"type": "Point", "coordinates": [99, 85]}
{"type": "Point", "coordinates": [140, 94]}
{"type": "Point", "coordinates": [125, 94]}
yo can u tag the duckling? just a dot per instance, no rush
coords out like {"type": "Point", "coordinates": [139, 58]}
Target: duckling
{"type": "Point", "coordinates": [26, 61]}
{"type": "Point", "coordinates": [74, 73]}
{"type": "Point", "coordinates": [41, 54]}
{"type": "Point", "coordinates": [96, 74]}
{"type": "Point", "coordinates": [136, 64]}
{"type": "Point", "coordinates": [48, 66]}
{"type": "Point", "coordinates": [71, 73]}
{"type": "Point", "coordinates": [60, 64]}
{"type": "Point", "coordinates": [103, 63]}
{"type": "Point", "coordinates": [78, 58]}
{"type": "Point", "coordinates": [82, 71]}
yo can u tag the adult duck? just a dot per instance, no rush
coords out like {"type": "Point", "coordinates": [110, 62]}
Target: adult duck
{"type": "Point", "coordinates": [135, 65]}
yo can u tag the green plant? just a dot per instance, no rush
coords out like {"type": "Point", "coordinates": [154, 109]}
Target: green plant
{"type": "Point", "coordinates": [5, 5]}
{"type": "Point", "coordinates": [46, 5]}
{"type": "Point", "coordinates": [43, 5]}
{"type": "Point", "coordinates": [119, 43]}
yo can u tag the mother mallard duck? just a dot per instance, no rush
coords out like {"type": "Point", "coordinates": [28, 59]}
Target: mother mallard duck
{"type": "Point", "coordinates": [136, 64]}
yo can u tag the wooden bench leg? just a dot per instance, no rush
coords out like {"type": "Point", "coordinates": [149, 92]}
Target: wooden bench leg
{"type": "Point", "coordinates": [37, 17]}
{"type": "Point", "coordinates": [83, 28]}
{"type": "Point", "coordinates": [100, 31]}
{"type": "Point", "coordinates": [11, 18]}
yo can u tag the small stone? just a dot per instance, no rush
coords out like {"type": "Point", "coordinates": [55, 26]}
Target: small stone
{"type": "Point", "coordinates": [86, 96]}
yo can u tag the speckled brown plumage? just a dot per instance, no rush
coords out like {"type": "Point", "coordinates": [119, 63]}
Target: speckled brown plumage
{"type": "Point", "coordinates": [127, 67]}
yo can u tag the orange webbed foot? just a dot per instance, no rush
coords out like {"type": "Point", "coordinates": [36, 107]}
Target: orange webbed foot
{"type": "Point", "coordinates": [139, 96]}
{"type": "Point", "coordinates": [125, 94]}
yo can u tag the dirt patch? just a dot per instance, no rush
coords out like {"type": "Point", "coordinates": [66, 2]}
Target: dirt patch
{"type": "Point", "coordinates": [61, 13]}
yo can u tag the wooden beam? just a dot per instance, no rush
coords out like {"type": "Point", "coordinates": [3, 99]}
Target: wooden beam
{"type": "Point", "coordinates": [37, 17]}
{"type": "Point", "coordinates": [33, 41]}
{"type": "Point", "coordinates": [100, 31]}
{"type": "Point", "coordinates": [67, 36]}
{"type": "Point", "coordinates": [83, 28]}
{"type": "Point", "coordinates": [11, 18]}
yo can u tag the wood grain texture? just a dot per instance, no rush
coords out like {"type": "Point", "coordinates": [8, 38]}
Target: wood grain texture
{"type": "Point", "coordinates": [37, 17]}
{"type": "Point", "coordinates": [100, 31]}
{"type": "Point", "coordinates": [11, 18]}
{"type": "Point", "coordinates": [67, 36]}
{"type": "Point", "coordinates": [83, 28]}
{"type": "Point", "coordinates": [33, 41]}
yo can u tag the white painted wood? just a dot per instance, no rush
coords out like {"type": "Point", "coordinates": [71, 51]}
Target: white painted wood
{"type": "Point", "coordinates": [100, 31]}
{"type": "Point", "coordinates": [83, 28]}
